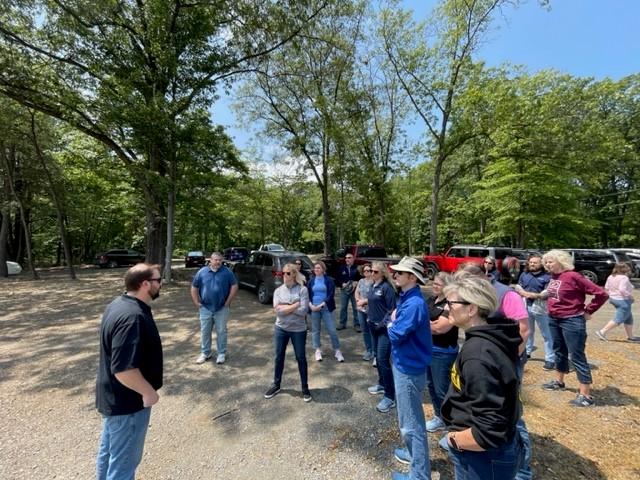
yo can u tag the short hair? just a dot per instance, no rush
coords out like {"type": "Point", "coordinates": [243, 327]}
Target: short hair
{"type": "Point", "coordinates": [472, 269]}
{"type": "Point", "coordinates": [215, 254]}
{"type": "Point", "coordinates": [562, 257]}
{"type": "Point", "coordinates": [620, 269]}
{"type": "Point", "coordinates": [321, 264]}
{"type": "Point", "coordinates": [362, 267]}
{"type": "Point", "coordinates": [139, 273]}
{"type": "Point", "coordinates": [298, 277]}
{"type": "Point", "coordinates": [444, 277]}
{"type": "Point", "coordinates": [476, 290]}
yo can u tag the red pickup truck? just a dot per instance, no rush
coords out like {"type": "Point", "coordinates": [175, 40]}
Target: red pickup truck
{"type": "Point", "coordinates": [507, 264]}
{"type": "Point", "coordinates": [362, 254]}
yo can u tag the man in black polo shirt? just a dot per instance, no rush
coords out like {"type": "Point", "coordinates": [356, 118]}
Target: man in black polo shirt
{"type": "Point", "coordinates": [129, 373]}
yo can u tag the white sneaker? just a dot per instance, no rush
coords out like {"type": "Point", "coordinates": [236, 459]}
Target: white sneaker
{"type": "Point", "coordinates": [375, 362]}
{"type": "Point", "coordinates": [202, 358]}
{"type": "Point", "coordinates": [318, 355]}
{"type": "Point", "coordinates": [221, 359]}
{"type": "Point", "coordinates": [339, 356]}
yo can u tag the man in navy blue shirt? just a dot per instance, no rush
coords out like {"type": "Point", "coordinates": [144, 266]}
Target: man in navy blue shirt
{"type": "Point", "coordinates": [348, 281]}
{"type": "Point", "coordinates": [212, 291]}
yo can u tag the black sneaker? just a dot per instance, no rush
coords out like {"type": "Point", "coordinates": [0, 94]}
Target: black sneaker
{"type": "Point", "coordinates": [553, 385]}
{"type": "Point", "coordinates": [340, 327]}
{"type": "Point", "coordinates": [582, 401]}
{"type": "Point", "coordinates": [272, 392]}
{"type": "Point", "coordinates": [306, 395]}
{"type": "Point", "coordinates": [548, 366]}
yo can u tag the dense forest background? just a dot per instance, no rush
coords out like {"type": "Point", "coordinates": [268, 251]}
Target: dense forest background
{"type": "Point", "coordinates": [108, 140]}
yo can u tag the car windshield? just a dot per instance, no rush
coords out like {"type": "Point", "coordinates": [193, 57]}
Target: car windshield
{"type": "Point", "coordinates": [275, 247]}
{"type": "Point", "coordinates": [306, 261]}
{"type": "Point", "coordinates": [196, 253]}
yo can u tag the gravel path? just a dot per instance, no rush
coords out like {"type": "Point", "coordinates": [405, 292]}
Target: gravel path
{"type": "Point", "coordinates": [212, 420]}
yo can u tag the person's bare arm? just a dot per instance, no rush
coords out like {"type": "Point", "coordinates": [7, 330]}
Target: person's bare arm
{"type": "Point", "coordinates": [441, 325]}
{"type": "Point", "coordinates": [134, 380]}
{"type": "Point", "coordinates": [195, 296]}
{"type": "Point", "coordinates": [232, 294]}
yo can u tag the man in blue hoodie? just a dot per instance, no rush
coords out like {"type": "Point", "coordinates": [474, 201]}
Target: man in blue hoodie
{"type": "Point", "coordinates": [410, 336]}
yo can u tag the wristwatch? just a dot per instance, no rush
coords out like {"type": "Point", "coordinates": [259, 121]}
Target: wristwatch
{"type": "Point", "coordinates": [453, 443]}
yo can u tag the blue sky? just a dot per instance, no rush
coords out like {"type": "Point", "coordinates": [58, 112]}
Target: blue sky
{"type": "Point", "coordinates": [587, 38]}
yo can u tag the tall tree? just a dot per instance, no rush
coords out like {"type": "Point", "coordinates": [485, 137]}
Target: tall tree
{"type": "Point", "coordinates": [432, 62]}
{"type": "Point", "coordinates": [127, 73]}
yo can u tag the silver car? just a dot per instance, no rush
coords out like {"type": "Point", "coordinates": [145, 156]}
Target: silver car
{"type": "Point", "coordinates": [262, 271]}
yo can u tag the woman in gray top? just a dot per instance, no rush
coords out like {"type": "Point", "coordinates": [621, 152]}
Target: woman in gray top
{"type": "Point", "coordinates": [290, 304]}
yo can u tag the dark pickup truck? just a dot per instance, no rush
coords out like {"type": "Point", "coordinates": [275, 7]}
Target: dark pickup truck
{"type": "Point", "coordinates": [362, 254]}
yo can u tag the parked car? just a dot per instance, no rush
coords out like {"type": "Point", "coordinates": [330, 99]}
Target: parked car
{"type": "Point", "coordinates": [507, 263]}
{"type": "Point", "coordinates": [262, 271]}
{"type": "Point", "coordinates": [235, 254]}
{"type": "Point", "coordinates": [597, 264]}
{"type": "Point", "coordinates": [195, 258]}
{"type": "Point", "coordinates": [362, 254]}
{"type": "Point", "coordinates": [634, 256]}
{"type": "Point", "coordinates": [118, 258]}
{"type": "Point", "coordinates": [271, 247]}
{"type": "Point", "coordinates": [13, 268]}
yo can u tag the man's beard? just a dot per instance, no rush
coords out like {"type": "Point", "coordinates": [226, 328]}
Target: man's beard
{"type": "Point", "coordinates": [155, 294]}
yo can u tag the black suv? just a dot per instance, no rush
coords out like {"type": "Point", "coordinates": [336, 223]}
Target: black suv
{"type": "Point", "coordinates": [235, 254]}
{"type": "Point", "coordinates": [597, 264]}
{"type": "Point", "coordinates": [118, 258]}
{"type": "Point", "coordinates": [262, 271]}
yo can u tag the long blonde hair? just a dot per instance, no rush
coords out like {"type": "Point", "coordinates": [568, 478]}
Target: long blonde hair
{"type": "Point", "coordinates": [298, 277]}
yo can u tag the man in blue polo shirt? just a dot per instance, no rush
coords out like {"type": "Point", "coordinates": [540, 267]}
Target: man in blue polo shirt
{"type": "Point", "coordinates": [212, 291]}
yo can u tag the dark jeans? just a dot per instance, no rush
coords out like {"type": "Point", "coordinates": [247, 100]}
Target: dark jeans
{"type": "Point", "coordinates": [439, 378]}
{"type": "Point", "coordinates": [347, 297]}
{"type": "Point", "coordinates": [495, 464]}
{"type": "Point", "coordinates": [383, 359]}
{"type": "Point", "coordinates": [280, 340]}
{"type": "Point", "coordinates": [366, 333]}
{"type": "Point", "coordinates": [569, 338]}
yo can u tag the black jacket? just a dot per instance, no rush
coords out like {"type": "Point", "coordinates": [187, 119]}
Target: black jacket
{"type": "Point", "coordinates": [484, 386]}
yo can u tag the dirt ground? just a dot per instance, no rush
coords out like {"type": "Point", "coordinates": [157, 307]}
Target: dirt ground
{"type": "Point", "coordinates": [212, 421]}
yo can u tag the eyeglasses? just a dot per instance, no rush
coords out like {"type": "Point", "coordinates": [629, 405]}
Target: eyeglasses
{"type": "Point", "coordinates": [287, 273]}
{"type": "Point", "coordinates": [395, 274]}
{"type": "Point", "coordinates": [366, 270]}
{"type": "Point", "coordinates": [298, 263]}
{"type": "Point", "coordinates": [438, 284]}
{"type": "Point", "coordinates": [458, 302]}
{"type": "Point", "coordinates": [488, 263]}
{"type": "Point", "coordinates": [159, 280]}
{"type": "Point", "coordinates": [375, 271]}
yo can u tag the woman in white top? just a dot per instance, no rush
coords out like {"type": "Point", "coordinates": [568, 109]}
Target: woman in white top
{"type": "Point", "coordinates": [620, 291]}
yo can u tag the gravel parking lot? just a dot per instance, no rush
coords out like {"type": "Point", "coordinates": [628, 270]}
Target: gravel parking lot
{"type": "Point", "coordinates": [213, 422]}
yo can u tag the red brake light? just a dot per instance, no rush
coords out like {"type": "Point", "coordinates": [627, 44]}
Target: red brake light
{"type": "Point", "coordinates": [276, 273]}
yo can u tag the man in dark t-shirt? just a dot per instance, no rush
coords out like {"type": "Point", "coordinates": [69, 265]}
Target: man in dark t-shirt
{"type": "Point", "coordinates": [129, 373]}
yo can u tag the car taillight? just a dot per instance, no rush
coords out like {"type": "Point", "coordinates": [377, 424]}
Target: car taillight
{"type": "Point", "coordinates": [277, 274]}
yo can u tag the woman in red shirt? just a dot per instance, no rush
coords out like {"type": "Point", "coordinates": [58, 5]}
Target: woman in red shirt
{"type": "Point", "coordinates": [568, 316]}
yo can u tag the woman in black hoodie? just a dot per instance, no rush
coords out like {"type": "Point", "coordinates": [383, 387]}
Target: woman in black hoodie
{"type": "Point", "coordinates": [482, 406]}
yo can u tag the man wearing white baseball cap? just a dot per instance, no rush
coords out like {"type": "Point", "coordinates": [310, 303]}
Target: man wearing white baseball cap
{"type": "Point", "coordinates": [410, 336]}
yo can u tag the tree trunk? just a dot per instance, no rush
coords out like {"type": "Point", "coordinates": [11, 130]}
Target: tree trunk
{"type": "Point", "coordinates": [171, 207]}
{"type": "Point", "coordinates": [64, 238]}
{"type": "Point", "coordinates": [435, 194]}
{"type": "Point", "coordinates": [4, 232]}
{"type": "Point", "coordinates": [326, 208]}
{"type": "Point", "coordinates": [21, 209]}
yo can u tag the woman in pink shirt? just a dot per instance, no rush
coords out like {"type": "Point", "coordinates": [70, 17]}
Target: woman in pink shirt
{"type": "Point", "coordinates": [620, 292]}
{"type": "Point", "coordinates": [568, 315]}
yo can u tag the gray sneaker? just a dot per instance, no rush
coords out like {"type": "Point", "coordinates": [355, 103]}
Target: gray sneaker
{"type": "Point", "coordinates": [221, 359]}
{"type": "Point", "coordinates": [601, 336]}
{"type": "Point", "coordinates": [385, 405]}
{"type": "Point", "coordinates": [435, 424]}
{"type": "Point", "coordinates": [202, 358]}
{"type": "Point", "coordinates": [376, 390]}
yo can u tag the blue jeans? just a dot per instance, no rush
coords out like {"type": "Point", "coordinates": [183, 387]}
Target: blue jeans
{"type": "Point", "coordinates": [569, 338]}
{"type": "Point", "coordinates": [121, 445]}
{"type": "Point", "coordinates": [327, 318]}
{"type": "Point", "coordinates": [383, 361]}
{"type": "Point", "coordinates": [345, 299]}
{"type": "Point", "coordinates": [495, 464]}
{"type": "Point", "coordinates": [623, 311]}
{"type": "Point", "coordinates": [409, 390]}
{"type": "Point", "coordinates": [366, 333]}
{"type": "Point", "coordinates": [439, 377]}
{"type": "Point", "coordinates": [207, 320]}
{"type": "Point", "coordinates": [280, 340]}
{"type": "Point", "coordinates": [524, 469]}
{"type": "Point", "coordinates": [543, 322]}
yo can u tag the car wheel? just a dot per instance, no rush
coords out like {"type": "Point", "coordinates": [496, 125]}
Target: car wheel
{"type": "Point", "coordinates": [431, 270]}
{"type": "Point", "coordinates": [113, 264]}
{"type": "Point", "coordinates": [263, 294]}
{"type": "Point", "coordinates": [589, 275]}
